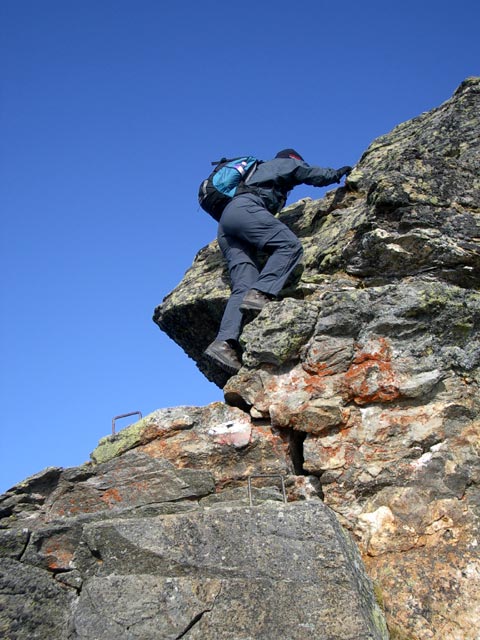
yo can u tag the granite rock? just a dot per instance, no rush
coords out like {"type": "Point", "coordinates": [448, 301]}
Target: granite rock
{"type": "Point", "coordinates": [274, 571]}
{"type": "Point", "coordinates": [371, 360]}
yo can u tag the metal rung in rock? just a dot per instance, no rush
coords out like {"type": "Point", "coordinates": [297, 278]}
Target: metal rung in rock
{"type": "Point", "coordinates": [124, 415]}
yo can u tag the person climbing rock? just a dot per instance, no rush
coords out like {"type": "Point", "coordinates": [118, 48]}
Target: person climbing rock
{"type": "Point", "coordinates": [248, 226]}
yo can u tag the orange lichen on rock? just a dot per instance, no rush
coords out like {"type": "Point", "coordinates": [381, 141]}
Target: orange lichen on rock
{"type": "Point", "coordinates": [111, 496]}
{"type": "Point", "coordinates": [58, 557]}
{"type": "Point", "coordinates": [371, 377]}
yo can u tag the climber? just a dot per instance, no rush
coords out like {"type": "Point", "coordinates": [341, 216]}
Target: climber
{"type": "Point", "coordinates": [247, 226]}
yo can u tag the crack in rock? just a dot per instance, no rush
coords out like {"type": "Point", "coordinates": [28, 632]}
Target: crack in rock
{"type": "Point", "coordinates": [198, 617]}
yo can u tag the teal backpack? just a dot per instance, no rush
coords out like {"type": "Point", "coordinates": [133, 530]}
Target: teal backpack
{"type": "Point", "coordinates": [221, 185]}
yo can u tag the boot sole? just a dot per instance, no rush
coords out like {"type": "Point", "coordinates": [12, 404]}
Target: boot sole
{"type": "Point", "coordinates": [213, 357]}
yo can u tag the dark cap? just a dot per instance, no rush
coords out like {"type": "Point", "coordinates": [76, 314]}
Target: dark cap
{"type": "Point", "coordinates": [289, 153]}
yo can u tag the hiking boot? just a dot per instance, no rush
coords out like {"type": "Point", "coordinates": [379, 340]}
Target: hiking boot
{"type": "Point", "coordinates": [223, 355]}
{"type": "Point", "coordinates": [254, 300]}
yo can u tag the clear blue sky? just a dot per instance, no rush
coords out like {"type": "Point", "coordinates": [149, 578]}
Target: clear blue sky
{"type": "Point", "coordinates": [110, 112]}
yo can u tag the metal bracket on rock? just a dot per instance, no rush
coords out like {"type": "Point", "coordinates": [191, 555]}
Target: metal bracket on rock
{"type": "Point", "coordinates": [124, 415]}
{"type": "Point", "coordinates": [275, 475]}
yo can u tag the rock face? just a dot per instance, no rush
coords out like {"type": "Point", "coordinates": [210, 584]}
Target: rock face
{"type": "Point", "coordinates": [339, 480]}
{"type": "Point", "coordinates": [371, 361]}
{"type": "Point", "coordinates": [219, 573]}
{"type": "Point", "coordinates": [134, 546]}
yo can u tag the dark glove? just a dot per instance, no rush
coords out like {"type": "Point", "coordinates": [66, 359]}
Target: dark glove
{"type": "Point", "coordinates": [343, 171]}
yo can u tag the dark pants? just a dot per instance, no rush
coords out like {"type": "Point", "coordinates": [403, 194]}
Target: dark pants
{"type": "Point", "coordinates": [245, 228]}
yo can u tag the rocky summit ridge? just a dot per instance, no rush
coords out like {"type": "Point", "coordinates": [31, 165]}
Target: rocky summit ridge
{"type": "Point", "coordinates": [335, 493]}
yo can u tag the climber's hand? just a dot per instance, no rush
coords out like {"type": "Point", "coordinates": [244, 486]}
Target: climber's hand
{"type": "Point", "coordinates": [343, 171]}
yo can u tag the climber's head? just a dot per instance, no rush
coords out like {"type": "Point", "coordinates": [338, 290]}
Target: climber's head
{"type": "Point", "coordinates": [289, 153]}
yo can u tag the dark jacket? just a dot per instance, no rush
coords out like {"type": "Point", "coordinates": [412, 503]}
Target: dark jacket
{"type": "Point", "coordinates": [273, 180]}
